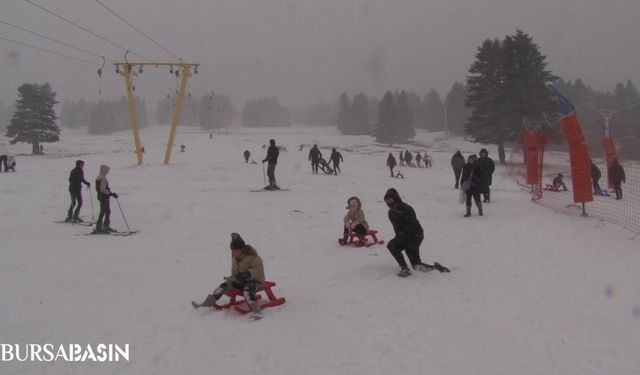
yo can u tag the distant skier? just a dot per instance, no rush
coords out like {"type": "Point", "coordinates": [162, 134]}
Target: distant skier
{"type": "Point", "coordinates": [76, 179]}
{"type": "Point", "coordinates": [104, 194]}
{"type": "Point", "coordinates": [314, 156]}
{"type": "Point", "coordinates": [336, 158]}
{"type": "Point", "coordinates": [246, 155]}
{"type": "Point", "coordinates": [470, 184]}
{"type": "Point", "coordinates": [354, 221]}
{"type": "Point", "coordinates": [247, 273]}
{"type": "Point", "coordinates": [617, 176]}
{"type": "Point", "coordinates": [457, 163]}
{"type": "Point", "coordinates": [418, 159]}
{"type": "Point", "coordinates": [272, 161]}
{"type": "Point", "coordinates": [391, 163]}
{"type": "Point", "coordinates": [595, 177]}
{"type": "Point", "coordinates": [408, 234]}
{"type": "Point", "coordinates": [558, 182]}
{"type": "Point", "coordinates": [487, 166]}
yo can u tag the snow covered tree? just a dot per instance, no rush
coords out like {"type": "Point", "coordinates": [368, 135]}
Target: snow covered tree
{"type": "Point", "coordinates": [386, 130]}
{"type": "Point", "coordinates": [457, 113]}
{"type": "Point", "coordinates": [360, 115]}
{"type": "Point", "coordinates": [34, 120]}
{"type": "Point", "coordinates": [404, 119]}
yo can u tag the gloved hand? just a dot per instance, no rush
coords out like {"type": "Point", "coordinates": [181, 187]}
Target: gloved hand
{"type": "Point", "coordinates": [243, 276]}
{"type": "Point", "coordinates": [114, 195]}
{"type": "Point", "coordinates": [88, 185]}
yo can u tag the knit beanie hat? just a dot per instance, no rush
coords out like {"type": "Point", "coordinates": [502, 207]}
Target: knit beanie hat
{"type": "Point", "coordinates": [236, 242]}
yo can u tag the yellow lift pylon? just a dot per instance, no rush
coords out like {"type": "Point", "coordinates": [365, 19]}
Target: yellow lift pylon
{"type": "Point", "coordinates": [126, 70]}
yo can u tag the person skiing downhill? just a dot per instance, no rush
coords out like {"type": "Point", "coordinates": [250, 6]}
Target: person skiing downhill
{"type": "Point", "coordinates": [104, 194]}
{"type": "Point", "coordinates": [247, 273]}
{"type": "Point", "coordinates": [76, 179]}
{"type": "Point", "coordinates": [408, 234]}
{"type": "Point", "coordinates": [272, 161]}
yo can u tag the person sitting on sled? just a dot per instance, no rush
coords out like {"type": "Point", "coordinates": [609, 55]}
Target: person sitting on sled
{"type": "Point", "coordinates": [247, 273]}
{"type": "Point", "coordinates": [354, 221]}
{"type": "Point", "coordinates": [559, 183]}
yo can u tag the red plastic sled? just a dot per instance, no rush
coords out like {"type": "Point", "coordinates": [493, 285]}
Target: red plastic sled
{"type": "Point", "coordinates": [550, 188]}
{"type": "Point", "coordinates": [355, 241]}
{"type": "Point", "coordinates": [241, 304]}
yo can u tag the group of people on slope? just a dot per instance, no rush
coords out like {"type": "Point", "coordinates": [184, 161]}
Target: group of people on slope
{"type": "Point", "coordinates": [616, 175]}
{"type": "Point", "coordinates": [317, 161]}
{"type": "Point", "coordinates": [104, 193]}
{"type": "Point", "coordinates": [474, 178]}
{"type": "Point", "coordinates": [406, 158]}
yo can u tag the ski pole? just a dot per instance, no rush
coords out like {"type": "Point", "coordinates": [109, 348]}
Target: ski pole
{"type": "Point", "coordinates": [264, 178]}
{"type": "Point", "coordinates": [125, 219]}
{"type": "Point", "coordinates": [93, 217]}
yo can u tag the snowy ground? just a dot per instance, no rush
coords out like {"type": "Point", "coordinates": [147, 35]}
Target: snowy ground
{"type": "Point", "coordinates": [531, 291]}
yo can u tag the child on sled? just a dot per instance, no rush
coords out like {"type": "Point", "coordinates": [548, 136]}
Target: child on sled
{"type": "Point", "coordinates": [247, 273]}
{"type": "Point", "coordinates": [354, 221]}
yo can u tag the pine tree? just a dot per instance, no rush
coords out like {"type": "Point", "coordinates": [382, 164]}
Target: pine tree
{"type": "Point", "coordinates": [34, 120]}
{"type": "Point", "coordinates": [404, 119]}
{"type": "Point", "coordinates": [507, 81]}
{"type": "Point", "coordinates": [360, 115]}
{"type": "Point", "coordinates": [434, 111]}
{"type": "Point", "coordinates": [386, 130]}
{"type": "Point", "coordinates": [344, 114]}
{"type": "Point", "coordinates": [457, 112]}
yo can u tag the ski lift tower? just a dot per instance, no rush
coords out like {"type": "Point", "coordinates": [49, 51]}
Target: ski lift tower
{"type": "Point", "coordinates": [128, 69]}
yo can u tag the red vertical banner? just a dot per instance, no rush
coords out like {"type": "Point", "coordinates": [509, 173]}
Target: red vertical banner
{"type": "Point", "coordinates": [579, 155]}
{"type": "Point", "coordinates": [529, 141]}
{"type": "Point", "coordinates": [610, 154]}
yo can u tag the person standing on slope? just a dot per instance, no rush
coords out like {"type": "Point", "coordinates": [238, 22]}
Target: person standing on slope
{"type": "Point", "coordinates": [76, 179]}
{"type": "Point", "coordinates": [272, 160]}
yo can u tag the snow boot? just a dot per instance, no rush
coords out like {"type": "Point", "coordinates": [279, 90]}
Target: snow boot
{"type": "Point", "coordinates": [257, 311]}
{"type": "Point", "coordinates": [404, 272]}
{"type": "Point", "coordinates": [468, 212]}
{"type": "Point", "coordinates": [208, 302]}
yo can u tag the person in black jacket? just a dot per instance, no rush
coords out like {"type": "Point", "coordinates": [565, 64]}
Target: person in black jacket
{"type": "Point", "coordinates": [487, 166]}
{"type": "Point", "coordinates": [336, 158]}
{"type": "Point", "coordinates": [246, 155]}
{"type": "Point", "coordinates": [409, 234]}
{"type": "Point", "coordinates": [469, 183]}
{"type": "Point", "coordinates": [315, 155]}
{"type": "Point", "coordinates": [595, 177]}
{"type": "Point", "coordinates": [617, 176]}
{"type": "Point", "coordinates": [457, 162]}
{"type": "Point", "coordinates": [391, 163]}
{"type": "Point", "coordinates": [76, 179]}
{"type": "Point", "coordinates": [272, 160]}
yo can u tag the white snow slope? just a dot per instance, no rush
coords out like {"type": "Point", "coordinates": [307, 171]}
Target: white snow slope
{"type": "Point", "coordinates": [531, 291]}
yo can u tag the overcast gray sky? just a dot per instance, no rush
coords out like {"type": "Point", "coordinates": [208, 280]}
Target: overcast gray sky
{"type": "Point", "coordinates": [303, 51]}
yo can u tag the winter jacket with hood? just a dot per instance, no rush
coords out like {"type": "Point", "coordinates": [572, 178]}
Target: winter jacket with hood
{"type": "Point", "coordinates": [457, 161]}
{"type": "Point", "coordinates": [616, 172]}
{"type": "Point", "coordinates": [76, 178]}
{"type": "Point", "coordinates": [249, 262]}
{"type": "Point", "coordinates": [403, 218]}
{"type": "Point", "coordinates": [102, 184]}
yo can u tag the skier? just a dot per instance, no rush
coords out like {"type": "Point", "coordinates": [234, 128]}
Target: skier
{"type": "Point", "coordinates": [487, 166]}
{"type": "Point", "coordinates": [246, 155]}
{"type": "Point", "coordinates": [617, 176]}
{"type": "Point", "coordinates": [336, 158]}
{"type": "Point", "coordinates": [76, 179]}
{"type": "Point", "coordinates": [558, 182]}
{"type": "Point", "coordinates": [595, 177]}
{"type": "Point", "coordinates": [104, 193]}
{"type": "Point", "coordinates": [418, 159]}
{"type": "Point", "coordinates": [354, 221]}
{"type": "Point", "coordinates": [391, 163]}
{"type": "Point", "coordinates": [314, 156]}
{"type": "Point", "coordinates": [247, 273]}
{"type": "Point", "coordinates": [470, 184]}
{"type": "Point", "coordinates": [457, 162]}
{"type": "Point", "coordinates": [272, 160]}
{"type": "Point", "coordinates": [409, 234]}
